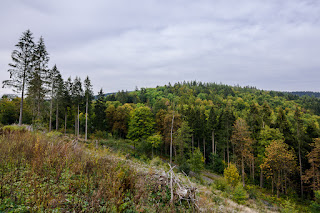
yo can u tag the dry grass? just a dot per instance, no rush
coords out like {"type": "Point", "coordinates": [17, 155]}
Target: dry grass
{"type": "Point", "coordinates": [40, 173]}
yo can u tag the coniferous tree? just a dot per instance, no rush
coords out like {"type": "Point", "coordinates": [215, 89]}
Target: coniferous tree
{"type": "Point", "coordinates": [21, 67]}
{"type": "Point", "coordinates": [59, 97]}
{"type": "Point", "coordinates": [67, 100]}
{"type": "Point", "coordinates": [77, 95]}
{"type": "Point", "coordinates": [100, 112]}
{"type": "Point", "coordinates": [39, 76]}
{"type": "Point", "coordinates": [226, 121]}
{"type": "Point", "coordinates": [54, 74]}
{"type": "Point", "coordinates": [266, 114]}
{"type": "Point", "coordinates": [88, 96]}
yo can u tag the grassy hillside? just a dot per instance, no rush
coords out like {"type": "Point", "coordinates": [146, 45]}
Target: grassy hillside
{"type": "Point", "coordinates": [50, 172]}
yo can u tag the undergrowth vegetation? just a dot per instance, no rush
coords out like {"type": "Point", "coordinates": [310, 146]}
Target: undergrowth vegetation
{"type": "Point", "coordinates": [40, 173]}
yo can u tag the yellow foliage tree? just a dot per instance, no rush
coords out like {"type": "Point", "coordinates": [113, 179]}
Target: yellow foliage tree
{"type": "Point", "coordinates": [279, 161]}
{"type": "Point", "coordinates": [231, 174]}
{"type": "Point", "coordinates": [313, 174]}
{"type": "Point", "coordinates": [242, 144]}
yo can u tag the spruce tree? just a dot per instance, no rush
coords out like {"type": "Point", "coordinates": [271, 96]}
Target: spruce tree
{"type": "Point", "coordinates": [21, 67]}
{"type": "Point", "coordinates": [99, 111]}
{"type": "Point", "coordinates": [38, 85]}
{"type": "Point", "coordinates": [54, 74]}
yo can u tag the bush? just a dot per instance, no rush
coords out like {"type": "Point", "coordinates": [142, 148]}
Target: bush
{"type": "Point", "coordinates": [156, 162]}
{"type": "Point", "coordinates": [221, 184]}
{"type": "Point", "coordinates": [196, 161]}
{"type": "Point", "coordinates": [239, 194]}
{"type": "Point", "coordinates": [217, 165]}
{"type": "Point", "coordinates": [315, 205]}
{"type": "Point", "coordinates": [252, 191]}
{"type": "Point", "coordinates": [231, 174]}
{"type": "Point", "coordinates": [100, 134]}
{"type": "Point", "coordinates": [289, 207]}
{"type": "Point", "coordinates": [13, 129]}
{"type": "Point", "coordinates": [185, 167]}
{"type": "Point", "coordinates": [54, 134]}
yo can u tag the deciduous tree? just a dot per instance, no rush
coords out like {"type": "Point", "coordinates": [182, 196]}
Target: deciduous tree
{"type": "Point", "coordinates": [242, 144]}
{"type": "Point", "coordinates": [278, 163]}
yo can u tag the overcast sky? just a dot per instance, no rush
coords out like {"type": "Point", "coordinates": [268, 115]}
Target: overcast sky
{"type": "Point", "coordinates": [121, 44]}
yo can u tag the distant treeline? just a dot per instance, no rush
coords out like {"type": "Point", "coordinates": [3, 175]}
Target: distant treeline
{"type": "Point", "coordinates": [308, 93]}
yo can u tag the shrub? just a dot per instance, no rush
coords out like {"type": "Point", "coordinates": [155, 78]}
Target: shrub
{"type": "Point", "coordinates": [100, 134]}
{"type": "Point", "coordinates": [231, 174]}
{"type": "Point", "coordinates": [156, 162]}
{"type": "Point", "coordinates": [196, 161]}
{"type": "Point", "coordinates": [221, 184]}
{"type": "Point", "coordinates": [185, 167]}
{"type": "Point", "coordinates": [315, 205]}
{"type": "Point", "coordinates": [239, 194]}
{"type": "Point", "coordinates": [252, 191]}
{"type": "Point", "coordinates": [54, 134]}
{"type": "Point", "coordinates": [13, 129]}
{"type": "Point", "coordinates": [289, 207]}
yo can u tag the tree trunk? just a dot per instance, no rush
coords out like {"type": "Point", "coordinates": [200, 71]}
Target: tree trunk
{"type": "Point", "coordinates": [57, 117]}
{"type": "Point", "coordinates": [285, 182]}
{"type": "Point", "coordinates": [228, 151]}
{"type": "Point", "coordinates": [300, 164]}
{"type": "Point", "coordinates": [204, 150]}
{"type": "Point", "coordinates": [51, 103]}
{"type": "Point", "coordinates": [171, 138]}
{"type": "Point", "coordinates": [78, 122]}
{"type": "Point", "coordinates": [192, 142]}
{"type": "Point", "coordinates": [152, 151]}
{"type": "Point", "coordinates": [278, 184]}
{"type": "Point", "coordinates": [86, 131]}
{"type": "Point", "coordinates": [253, 169]}
{"type": "Point", "coordinates": [313, 177]}
{"type": "Point", "coordinates": [301, 182]}
{"type": "Point", "coordinates": [261, 178]}
{"type": "Point", "coordinates": [213, 152]}
{"type": "Point", "coordinates": [215, 147]}
{"type": "Point", "coordinates": [65, 123]}
{"type": "Point", "coordinates": [242, 170]}
{"type": "Point", "coordinates": [22, 96]}
{"type": "Point", "coordinates": [75, 125]}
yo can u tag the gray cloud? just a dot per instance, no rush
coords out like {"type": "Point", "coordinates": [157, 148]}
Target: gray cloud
{"type": "Point", "coordinates": [123, 44]}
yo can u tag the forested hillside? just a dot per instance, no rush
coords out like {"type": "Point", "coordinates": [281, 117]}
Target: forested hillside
{"type": "Point", "coordinates": [271, 137]}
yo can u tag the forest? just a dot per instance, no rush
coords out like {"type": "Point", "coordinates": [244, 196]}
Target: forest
{"type": "Point", "coordinates": [271, 137]}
